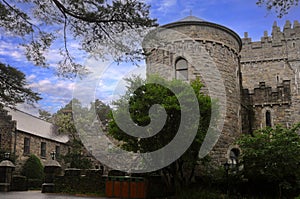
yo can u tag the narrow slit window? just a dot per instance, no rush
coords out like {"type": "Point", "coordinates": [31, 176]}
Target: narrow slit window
{"type": "Point", "coordinates": [268, 119]}
{"type": "Point", "coordinates": [57, 151]}
{"type": "Point", "coordinates": [43, 149]}
{"type": "Point", "coordinates": [26, 146]}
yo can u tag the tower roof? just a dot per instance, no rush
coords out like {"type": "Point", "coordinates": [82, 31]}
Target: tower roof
{"type": "Point", "coordinates": [190, 18]}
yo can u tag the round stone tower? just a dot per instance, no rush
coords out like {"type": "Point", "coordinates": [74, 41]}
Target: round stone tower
{"type": "Point", "coordinates": [193, 48]}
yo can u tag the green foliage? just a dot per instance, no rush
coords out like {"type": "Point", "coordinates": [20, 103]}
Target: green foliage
{"type": "Point", "coordinates": [141, 98]}
{"type": "Point", "coordinates": [94, 24]}
{"type": "Point", "coordinates": [13, 87]}
{"type": "Point", "coordinates": [200, 193]}
{"type": "Point", "coordinates": [102, 110]}
{"type": "Point", "coordinates": [272, 156]}
{"type": "Point", "coordinates": [281, 7]}
{"type": "Point", "coordinates": [78, 161]}
{"type": "Point", "coordinates": [33, 168]}
{"type": "Point", "coordinates": [45, 115]}
{"type": "Point", "coordinates": [63, 119]}
{"type": "Point", "coordinates": [76, 158]}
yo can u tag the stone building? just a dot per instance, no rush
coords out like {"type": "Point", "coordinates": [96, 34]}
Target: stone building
{"type": "Point", "coordinates": [261, 79]}
{"type": "Point", "coordinates": [22, 134]}
{"type": "Point", "coordinates": [271, 77]}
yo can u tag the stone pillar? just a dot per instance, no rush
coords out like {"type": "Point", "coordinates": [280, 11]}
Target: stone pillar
{"type": "Point", "coordinates": [6, 169]}
{"type": "Point", "coordinates": [52, 168]}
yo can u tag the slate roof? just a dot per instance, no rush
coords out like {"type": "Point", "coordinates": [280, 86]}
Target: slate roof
{"type": "Point", "coordinates": [36, 126]}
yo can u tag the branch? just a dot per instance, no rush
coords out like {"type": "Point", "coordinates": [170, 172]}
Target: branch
{"type": "Point", "coordinates": [64, 10]}
{"type": "Point", "coordinates": [21, 15]}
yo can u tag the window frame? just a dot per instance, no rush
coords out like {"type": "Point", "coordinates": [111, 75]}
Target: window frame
{"type": "Point", "coordinates": [43, 149]}
{"type": "Point", "coordinates": [57, 151]}
{"type": "Point", "coordinates": [26, 148]}
{"type": "Point", "coordinates": [268, 117]}
{"type": "Point", "coordinates": [179, 69]}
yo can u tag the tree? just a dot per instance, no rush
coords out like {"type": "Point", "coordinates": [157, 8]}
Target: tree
{"type": "Point", "coordinates": [141, 98]}
{"type": "Point", "coordinates": [102, 110]}
{"type": "Point", "coordinates": [45, 115]}
{"type": "Point", "coordinates": [13, 87]}
{"type": "Point", "coordinates": [63, 119]}
{"type": "Point", "coordinates": [77, 157]}
{"type": "Point", "coordinates": [272, 156]}
{"type": "Point", "coordinates": [281, 7]}
{"type": "Point", "coordinates": [100, 27]}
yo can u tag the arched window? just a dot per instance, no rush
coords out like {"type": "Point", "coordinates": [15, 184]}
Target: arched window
{"type": "Point", "coordinates": [232, 159]}
{"type": "Point", "coordinates": [268, 119]}
{"type": "Point", "coordinates": [181, 67]}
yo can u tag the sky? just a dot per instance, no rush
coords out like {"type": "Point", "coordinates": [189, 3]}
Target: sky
{"type": "Point", "coordinates": [239, 15]}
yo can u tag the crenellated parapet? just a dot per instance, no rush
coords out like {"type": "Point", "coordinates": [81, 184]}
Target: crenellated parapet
{"type": "Point", "coordinates": [267, 96]}
{"type": "Point", "coordinates": [280, 45]}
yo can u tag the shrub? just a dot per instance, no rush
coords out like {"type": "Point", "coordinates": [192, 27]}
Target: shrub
{"type": "Point", "coordinates": [33, 168]}
{"type": "Point", "coordinates": [271, 160]}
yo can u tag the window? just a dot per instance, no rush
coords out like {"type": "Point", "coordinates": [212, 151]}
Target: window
{"type": "Point", "coordinates": [26, 146]}
{"type": "Point", "coordinates": [181, 68]}
{"type": "Point", "coordinates": [268, 119]}
{"type": "Point", "coordinates": [233, 156]}
{"type": "Point", "coordinates": [43, 149]}
{"type": "Point", "coordinates": [57, 151]}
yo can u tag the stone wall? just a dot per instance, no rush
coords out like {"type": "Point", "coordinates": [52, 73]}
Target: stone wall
{"type": "Point", "coordinates": [80, 181]}
{"type": "Point", "coordinates": [212, 53]}
{"type": "Point", "coordinates": [35, 148]}
{"type": "Point", "coordinates": [265, 98]}
{"type": "Point", "coordinates": [7, 128]}
{"type": "Point", "coordinates": [274, 60]}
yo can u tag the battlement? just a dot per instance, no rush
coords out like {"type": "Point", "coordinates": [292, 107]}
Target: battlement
{"type": "Point", "coordinates": [280, 45]}
{"type": "Point", "coordinates": [266, 96]}
{"type": "Point", "coordinates": [277, 36]}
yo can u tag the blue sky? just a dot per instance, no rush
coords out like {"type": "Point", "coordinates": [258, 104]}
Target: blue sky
{"type": "Point", "coordinates": [239, 15]}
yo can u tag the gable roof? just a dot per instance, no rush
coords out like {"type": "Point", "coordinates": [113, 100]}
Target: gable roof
{"type": "Point", "coordinates": [36, 126]}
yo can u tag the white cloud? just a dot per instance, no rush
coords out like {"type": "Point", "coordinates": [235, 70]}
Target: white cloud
{"type": "Point", "coordinates": [166, 4]}
{"type": "Point", "coordinates": [31, 78]}
{"type": "Point", "coordinates": [11, 50]}
{"type": "Point", "coordinates": [53, 87]}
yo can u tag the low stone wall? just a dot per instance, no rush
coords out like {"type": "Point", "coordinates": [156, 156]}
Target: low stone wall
{"type": "Point", "coordinates": [19, 183]}
{"type": "Point", "coordinates": [80, 181]}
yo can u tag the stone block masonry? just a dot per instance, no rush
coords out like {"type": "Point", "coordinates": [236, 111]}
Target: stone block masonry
{"type": "Point", "coordinates": [274, 60]}
{"type": "Point", "coordinates": [204, 45]}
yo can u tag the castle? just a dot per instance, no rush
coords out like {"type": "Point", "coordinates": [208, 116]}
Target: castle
{"type": "Point", "coordinates": [256, 83]}
{"type": "Point", "coordinates": [260, 79]}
